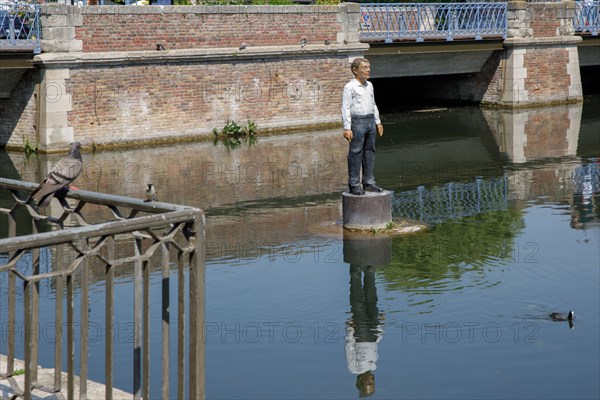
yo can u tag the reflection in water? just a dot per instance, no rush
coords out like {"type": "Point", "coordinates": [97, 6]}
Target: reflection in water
{"type": "Point", "coordinates": [533, 134]}
{"type": "Point", "coordinates": [451, 257]}
{"type": "Point", "coordinates": [363, 328]}
{"type": "Point", "coordinates": [452, 200]}
{"type": "Point", "coordinates": [586, 187]}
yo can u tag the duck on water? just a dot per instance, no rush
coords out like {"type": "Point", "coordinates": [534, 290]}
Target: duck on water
{"type": "Point", "coordinates": [556, 316]}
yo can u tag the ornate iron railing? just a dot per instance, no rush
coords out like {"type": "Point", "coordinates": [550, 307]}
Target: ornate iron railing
{"type": "Point", "coordinates": [420, 21]}
{"type": "Point", "coordinates": [20, 27]}
{"type": "Point", "coordinates": [587, 17]}
{"type": "Point", "coordinates": [102, 235]}
{"type": "Point", "coordinates": [453, 200]}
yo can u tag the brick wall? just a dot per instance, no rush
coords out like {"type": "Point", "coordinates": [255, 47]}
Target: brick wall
{"type": "Point", "coordinates": [120, 89]}
{"type": "Point", "coordinates": [116, 28]}
{"type": "Point", "coordinates": [18, 113]}
{"type": "Point", "coordinates": [547, 78]}
{"type": "Point", "coordinates": [545, 19]}
{"type": "Point", "coordinates": [134, 103]}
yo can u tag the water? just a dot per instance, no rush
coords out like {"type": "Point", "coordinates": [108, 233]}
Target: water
{"type": "Point", "coordinates": [459, 311]}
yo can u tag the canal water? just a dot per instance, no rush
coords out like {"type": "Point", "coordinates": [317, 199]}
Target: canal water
{"type": "Point", "coordinates": [296, 309]}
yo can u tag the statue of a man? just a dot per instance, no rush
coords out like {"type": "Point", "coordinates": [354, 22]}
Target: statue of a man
{"type": "Point", "coordinates": [360, 117]}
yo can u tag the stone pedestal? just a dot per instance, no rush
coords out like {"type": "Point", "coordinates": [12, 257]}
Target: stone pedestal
{"type": "Point", "coordinates": [369, 211]}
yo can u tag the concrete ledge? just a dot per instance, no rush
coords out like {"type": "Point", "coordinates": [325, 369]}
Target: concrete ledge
{"type": "Point", "coordinates": [46, 379]}
{"type": "Point", "coordinates": [543, 42]}
{"type": "Point", "coordinates": [194, 55]}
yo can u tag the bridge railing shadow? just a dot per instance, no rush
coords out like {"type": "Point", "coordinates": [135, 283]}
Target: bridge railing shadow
{"type": "Point", "coordinates": [94, 240]}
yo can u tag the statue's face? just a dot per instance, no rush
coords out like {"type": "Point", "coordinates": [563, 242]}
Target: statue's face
{"type": "Point", "coordinates": [363, 72]}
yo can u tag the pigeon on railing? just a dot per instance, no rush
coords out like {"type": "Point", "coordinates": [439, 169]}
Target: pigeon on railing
{"type": "Point", "coordinates": [151, 194]}
{"type": "Point", "coordinates": [65, 171]}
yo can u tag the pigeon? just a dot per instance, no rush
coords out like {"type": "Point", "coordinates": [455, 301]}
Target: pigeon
{"type": "Point", "coordinates": [65, 171]}
{"type": "Point", "coordinates": [327, 42]}
{"type": "Point", "coordinates": [303, 42]}
{"type": "Point", "coordinates": [160, 47]}
{"type": "Point", "coordinates": [243, 46]}
{"type": "Point", "coordinates": [151, 194]}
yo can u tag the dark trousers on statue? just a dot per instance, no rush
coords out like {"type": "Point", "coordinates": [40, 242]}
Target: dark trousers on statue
{"type": "Point", "coordinates": [362, 151]}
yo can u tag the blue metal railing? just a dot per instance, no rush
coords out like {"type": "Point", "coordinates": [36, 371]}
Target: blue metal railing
{"type": "Point", "coordinates": [20, 26]}
{"type": "Point", "coordinates": [587, 17]}
{"type": "Point", "coordinates": [420, 21]}
{"type": "Point", "coordinates": [452, 200]}
{"type": "Point", "coordinates": [20, 22]}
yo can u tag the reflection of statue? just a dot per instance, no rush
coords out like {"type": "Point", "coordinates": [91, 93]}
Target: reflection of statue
{"type": "Point", "coordinates": [363, 328]}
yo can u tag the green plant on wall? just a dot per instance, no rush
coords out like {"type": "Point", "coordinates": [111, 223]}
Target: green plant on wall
{"type": "Point", "coordinates": [29, 148]}
{"type": "Point", "coordinates": [232, 134]}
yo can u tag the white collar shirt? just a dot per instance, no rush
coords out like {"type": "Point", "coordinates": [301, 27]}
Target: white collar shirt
{"type": "Point", "coordinates": [358, 99]}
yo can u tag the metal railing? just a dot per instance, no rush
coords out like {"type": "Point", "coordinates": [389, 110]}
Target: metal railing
{"type": "Point", "coordinates": [20, 27]}
{"type": "Point", "coordinates": [421, 21]}
{"type": "Point", "coordinates": [587, 17]}
{"type": "Point", "coordinates": [93, 233]}
{"type": "Point", "coordinates": [453, 200]}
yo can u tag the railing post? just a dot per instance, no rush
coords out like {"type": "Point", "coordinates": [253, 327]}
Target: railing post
{"type": "Point", "coordinates": [137, 319]}
{"type": "Point", "coordinates": [388, 38]}
{"type": "Point", "coordinates": [109, 319]}
{"type": "Point", "coordinates": [84, 324]}
{"type": "Point", "coordinates": [419, 33]}
{"type": "Point", "coordinates": [166, 321]}
{"type": "Point", "coordinates": [197, 383]}
{"type": "Point", "coordinates": [58, 319]}
{"type": "Point", "coordinates": [28, 340]}
{"type": "Point", "coordinates": [180, 326]}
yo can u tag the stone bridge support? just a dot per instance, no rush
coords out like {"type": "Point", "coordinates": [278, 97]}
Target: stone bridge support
{"type": "Point", "coordinates": [541, 63]}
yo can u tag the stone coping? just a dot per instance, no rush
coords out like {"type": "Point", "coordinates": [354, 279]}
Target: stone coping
{"type": "Point", "coordinates": [543, 41]}
{"type": "Point", "coordinates": [62, 9]}
{"type": "Point", "coordinates": [75, 59]}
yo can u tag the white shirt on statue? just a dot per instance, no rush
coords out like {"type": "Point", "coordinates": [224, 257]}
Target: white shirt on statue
{"type": "Point", "coordinates": [358, 99]}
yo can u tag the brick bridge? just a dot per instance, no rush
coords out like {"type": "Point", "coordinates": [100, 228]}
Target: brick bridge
{"type": "Point", "coordinates": [121, 75]}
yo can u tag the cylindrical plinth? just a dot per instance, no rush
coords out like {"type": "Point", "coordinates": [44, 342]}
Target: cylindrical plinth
{"type": "Point", "coordinates": [369, 211]}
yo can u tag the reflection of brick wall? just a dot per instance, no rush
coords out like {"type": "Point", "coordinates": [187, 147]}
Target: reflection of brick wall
{"type": "Point", "coordinates": [547, 137]}
{"type": "Point", "coordinates": [115, 28]}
